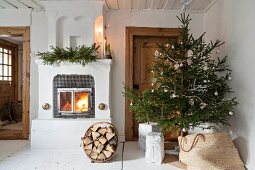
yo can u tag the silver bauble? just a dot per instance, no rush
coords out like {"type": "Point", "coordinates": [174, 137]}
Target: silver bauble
{"type": "Point", "coordinates": [184, 129]}
{"type": "Point", "coordinates": [156, 53]}
{"type": "Point", "coordinates": [216, 93]}
{"type": "Point", "coordinates": [231, 113]}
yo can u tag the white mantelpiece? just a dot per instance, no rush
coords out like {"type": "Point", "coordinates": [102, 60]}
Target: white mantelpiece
{"type": "Point", "coordinates": [58, 133]}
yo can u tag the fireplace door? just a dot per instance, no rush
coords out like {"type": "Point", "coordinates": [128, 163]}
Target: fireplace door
{"type": "Point", "coordinates": [74, 101]}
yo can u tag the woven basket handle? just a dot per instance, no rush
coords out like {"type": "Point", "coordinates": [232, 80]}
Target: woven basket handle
{"type": "Point", "coordinates": [195, 140]}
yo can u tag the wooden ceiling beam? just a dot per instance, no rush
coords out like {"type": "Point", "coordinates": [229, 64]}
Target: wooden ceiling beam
{"type": "Point", "coordinates": [128, 4]}
{"type": "Point", "coordinates": [155, 4]}
{"type": "Point", "coordinates": [7, 5]}
{"type": "Point", "coordinates": [122, 4]}
{"type": "Point", "coordinates": [17, 4]}
{"type": "Point", "coordinates": [112, 4]}
{"type": "Point", "coordinates": [135, 4]}
{"type": "Point", "coordinates": [30, 4]}
{"type": "Point", "coordinates": [148, 4]}
{"type": "Point", "coordinates": [142, 4]}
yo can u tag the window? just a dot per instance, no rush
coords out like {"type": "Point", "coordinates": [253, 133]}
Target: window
{"type": "Point", "coordinates": [5, 64]}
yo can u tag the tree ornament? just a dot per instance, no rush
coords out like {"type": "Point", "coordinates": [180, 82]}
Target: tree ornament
{"type": "Point", "coordinates": [181, 64]}
{"type": "Point", "coordinates": [152, 84]}
{"type": "Point", "coordinates": [203, 105]}
{"type": "Point", "coordinates": [205, 81]}
{"type": "Point", "coordinates": [231, 113]}
{"type": "Point", "coordinates": [217, 51]}
{"type": "Point", "coordinates": [216, 93]}
{"type": "Point", "coordinates": [165, 90]}
{"type": "Point", "coordinates": [176, 66]}
{"type": "Point", "coordinates": [156, 54]}
{"type": "Point", "coordinates": [184, 129]}
{"type": "Point", "coordinates": [152, 71]}
{"type": "Point", "coordinates": [167, 45]}
{"type": "Point", "coordinates": [173, 46]}
{"type": "Point", "coordinates": [229, 78]}
{"type": "Point", "coordinates": [161, 73]}
{"type": "Point", "coordinates": [174, 95]}
{"type": "Point", "coordinates": [191, 102]}
{"type": "Point", "coordinates": [181, 42]}
{"type": "Point", "coordinates": [131, 104]}
{"type": "Point", "coordinates": [205, 68]}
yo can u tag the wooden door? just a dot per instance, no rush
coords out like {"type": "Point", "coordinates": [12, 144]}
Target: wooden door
{"type": "Point", "coordinates": [143, 57]}
{"type": "Point", "coordinates": [140, 48]}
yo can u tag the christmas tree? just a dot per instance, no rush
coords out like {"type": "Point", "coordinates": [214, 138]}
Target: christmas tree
{"type": "Point", "coordinates": [188, 86]}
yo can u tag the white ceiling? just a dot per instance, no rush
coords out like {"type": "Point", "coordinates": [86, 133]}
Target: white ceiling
{"type": "Point", "coordinates": [195, 5]}
{"type": "Point", "coordinates": [20, 4]}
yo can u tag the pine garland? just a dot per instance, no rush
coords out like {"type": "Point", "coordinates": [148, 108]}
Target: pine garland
{"type": "Point", "coordinates": [81, 54]}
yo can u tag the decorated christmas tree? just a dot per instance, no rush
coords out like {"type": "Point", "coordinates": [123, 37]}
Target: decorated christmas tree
{"type": "Point", "coordinates": [188, 86]}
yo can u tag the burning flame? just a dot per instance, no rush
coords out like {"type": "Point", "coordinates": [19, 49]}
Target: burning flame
{"type": "Point", "coordinates": [67, 107]}
{"type": "Point", "coordinates": [81, 102]}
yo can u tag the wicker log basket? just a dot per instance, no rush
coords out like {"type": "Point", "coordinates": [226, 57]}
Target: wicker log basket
{"type": "Point", "coordinates": [100, 142]}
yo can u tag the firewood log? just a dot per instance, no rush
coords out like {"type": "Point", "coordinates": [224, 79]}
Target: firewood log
{"type": "Point", "coordinates": [88, 152]}
{"type": "Point", "coordinates": [109, 136]}
{"type": "Point", "coordinates": [89, 147]}
{"type": "Point", "coordinates": [102, 140]}
{"type": "Point", "coordinates": [110, 130]}
{"type": "Point", "coordinates": [95, 135]}
{"type": "Point", "coordinates": [96, 143]}
{"type": "Point", "coordinates": [107, 153]}
{"type": "Point", "coordinates": [101, 156]}
{"type": "Point", "coordinates": [113, 141]}
{"type": "Point", "coordinates": [94, 128]}
{"type": "Point", "coordinates": [102, 131]}
{"type": "Point", "coordinates": [94, 155]}
{"type": "Point", "coordinates": [109, 148]}
{"type": "Point", "coordinates": [100, 147]}
{"type": "Point", "coordinates": [87, 141]}
{"type": "Point", "coordinates": [89, 132]}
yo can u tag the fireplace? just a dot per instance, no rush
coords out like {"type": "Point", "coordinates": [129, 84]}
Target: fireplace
{"type": "Point", "coordinates": [71, 82]}
{"type": "Point", "coordinates": [74, 101]}
{"type": "Point", "coordinates": [74, 96]}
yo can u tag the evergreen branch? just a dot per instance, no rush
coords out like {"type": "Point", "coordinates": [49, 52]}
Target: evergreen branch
{"type": "Point", "coordinates": [81, 54]}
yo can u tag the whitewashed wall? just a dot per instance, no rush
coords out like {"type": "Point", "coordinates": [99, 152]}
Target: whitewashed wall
{"type": "Point", "coordinates": [233, 22]}
{"type": "Point", "coordinates": [117, 21]}
{"type": "Point", "coordinates": [38, 25]}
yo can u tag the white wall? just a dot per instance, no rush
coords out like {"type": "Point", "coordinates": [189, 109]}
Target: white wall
{"type": "Point", "coordinates": [233, 22]}
{"type": "Point", "coordinates": [117, 21]}
{"type": "Point", "coordinates": [38, 29]}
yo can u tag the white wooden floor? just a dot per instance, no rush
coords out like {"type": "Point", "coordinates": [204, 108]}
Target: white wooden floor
{"type": "Point", "coordinates": [17, 155]}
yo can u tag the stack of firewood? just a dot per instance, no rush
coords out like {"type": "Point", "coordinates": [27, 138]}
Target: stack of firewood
{"type": "Point", "coordinates": [100, 142]}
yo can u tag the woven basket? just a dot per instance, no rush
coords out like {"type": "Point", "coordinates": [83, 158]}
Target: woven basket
{"type": "Point", "coordinates": [214, 151]}
{"type": "Point", "coordinates": [115, 138]}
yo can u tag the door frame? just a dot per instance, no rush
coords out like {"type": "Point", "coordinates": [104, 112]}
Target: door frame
{"type": "Point", "coordinates": [130, 33]}
{"type": "Point", "coordinates": [25, 33]}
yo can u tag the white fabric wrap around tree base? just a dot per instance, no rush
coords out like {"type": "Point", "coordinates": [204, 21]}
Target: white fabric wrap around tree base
{"type": "Point", "coordinates": [211, 151]}
{"type": "Point", "coordinates": [144, 129]}
{"type": "Point", "coordinates": [154, 147]}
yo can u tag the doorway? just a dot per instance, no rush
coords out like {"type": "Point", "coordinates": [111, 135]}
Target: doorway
{"type": "Point", "coordinates": [14, 82]}
{"type": "Point", "coordinates": [141, 44]}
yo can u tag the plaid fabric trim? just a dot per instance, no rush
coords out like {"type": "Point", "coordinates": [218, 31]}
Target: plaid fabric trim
{"type": "Point", "coordinates": [73, 81]}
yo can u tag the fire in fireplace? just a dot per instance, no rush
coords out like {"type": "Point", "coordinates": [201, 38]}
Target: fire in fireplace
{"type": "Point", "coordinates": [74, 101]}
